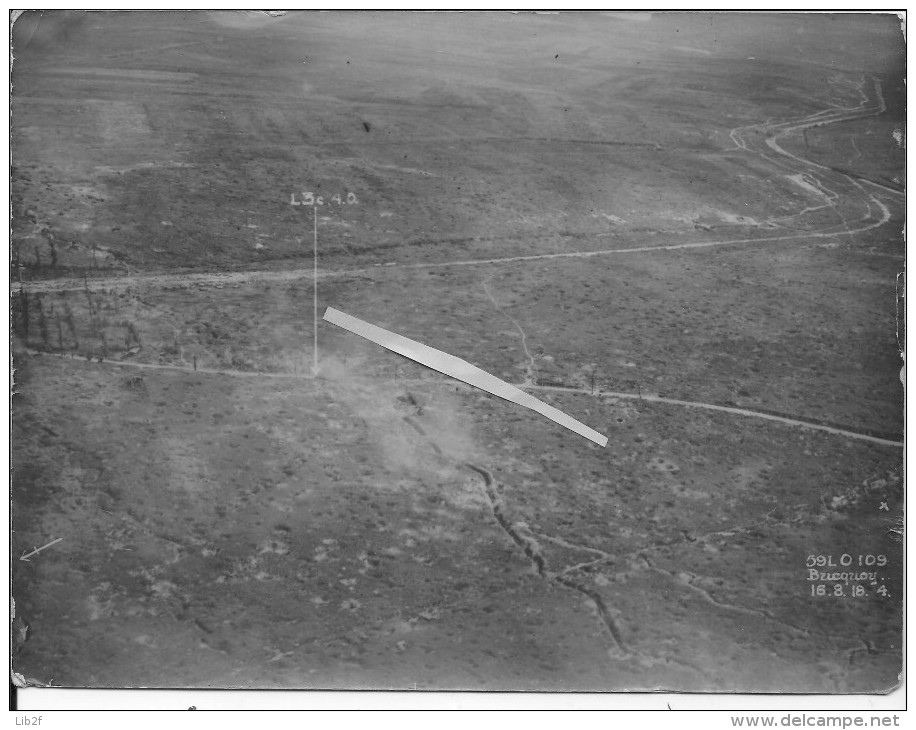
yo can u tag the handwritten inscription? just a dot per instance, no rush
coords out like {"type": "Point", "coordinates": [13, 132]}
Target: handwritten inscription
{"type": "Point", "coordinates": [855, 580]}
{"type": "Point", "coordinates": [311, 199]}
{"type": "Point", "coordinates": [845, 560]}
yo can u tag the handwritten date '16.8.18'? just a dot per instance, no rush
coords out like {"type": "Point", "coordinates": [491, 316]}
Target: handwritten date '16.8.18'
{"type": "Point", "coordinates": [846, 575]}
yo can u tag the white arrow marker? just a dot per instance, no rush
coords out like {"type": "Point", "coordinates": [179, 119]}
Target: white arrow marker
{"type": "Point", "coordinates": [38, 550]}
{"type": "Point", "coordinates": [459, 369]}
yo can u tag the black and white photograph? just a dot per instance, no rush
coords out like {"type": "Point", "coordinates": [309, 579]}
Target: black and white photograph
{"type": "Point", "coordinates": [532, 352]}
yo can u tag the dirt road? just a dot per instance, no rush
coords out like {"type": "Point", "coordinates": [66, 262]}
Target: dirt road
{"type": "Point", "coordinates": [527, 385]}
{"type": "Point", "coordinates": [744, 138]}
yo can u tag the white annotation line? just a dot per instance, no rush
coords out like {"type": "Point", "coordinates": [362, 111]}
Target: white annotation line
{"type": "Point", "coordinates": [724, 409]}
{"type": "Point", "coordinates": [458, 369]}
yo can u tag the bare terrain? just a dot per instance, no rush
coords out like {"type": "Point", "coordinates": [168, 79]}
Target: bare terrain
{"type": "Point", "coordinates": [683, 230]}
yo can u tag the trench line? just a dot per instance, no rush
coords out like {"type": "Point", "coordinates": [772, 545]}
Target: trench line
{"type": "Point", "coordinates": [538, 560]}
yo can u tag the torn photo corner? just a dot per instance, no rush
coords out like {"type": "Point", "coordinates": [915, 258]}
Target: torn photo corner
{"type": "Point", "coordinates": [459, 369]}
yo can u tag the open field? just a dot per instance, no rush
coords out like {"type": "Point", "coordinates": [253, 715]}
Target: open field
{"type": "Point", "coordinates": [684, 231]}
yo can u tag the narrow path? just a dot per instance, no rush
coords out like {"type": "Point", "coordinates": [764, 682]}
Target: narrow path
{"type": "Point", "coordinates": [650, 398]}
{"type": "Point", "coordinates": [597, 393]}
{"type": "Point", "coordinates": [685, 538]}
{"type": "Point", "coordinates": [742, 139]}
{"type": "Point", "coordinates": [530, 376]}
{"type": "Point", "coordinates": [689, 581]}
{"type": "Point", "coordinates": [114, 283]}
{"type": "Point", "coordinates": [855, 147]}
{"type": "Point", "coordinates": [174, 368]}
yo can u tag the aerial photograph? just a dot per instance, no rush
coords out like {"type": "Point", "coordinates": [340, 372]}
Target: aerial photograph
{"type": "Point", "coordinates": [466, 351]}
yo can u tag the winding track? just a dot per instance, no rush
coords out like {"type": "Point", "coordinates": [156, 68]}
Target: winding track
{"type": "Point", "coordinates": [744, 138]}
